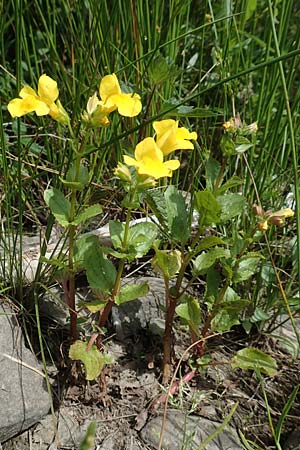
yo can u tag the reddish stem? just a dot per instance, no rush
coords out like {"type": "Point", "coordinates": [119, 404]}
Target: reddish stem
{"type": "Point", "coordinates": [69, 293]}
{"type": "Point", "coordinates": [173, 389]}
{"type": "Point", "coordinates": [168, 344]}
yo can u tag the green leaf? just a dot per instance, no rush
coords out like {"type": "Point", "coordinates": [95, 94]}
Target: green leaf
{"type": "Point", "coordinates": [259, 315]}
{"type": "Point", "coordinates": [88, 213]}
{"type": "Point", "coordinates": [101, 273]}
{"type": "Point", "coordinates": [177, 216]}
{"type": "Point", "coordinates": [75, 186]}
{"type": "Point", "coordinates": [212, 171]}
{"type": "Point", "coordinates": [160, 70]}
{"type": "Point", "coordinates": [88, 442]}
{"type": "Point", "coordinates": [227, 146]}
{"type": "Point", "coordinates": [253, 359]}
{"type": "Point", "coordinates": [231, 183]}
{"type": "Point", "coordinates": [94, 361]}
{"type": "Point", "coordinates": [208, 207]}
{"type": "Point", "coordinates": [167, 262]}
{"type": "Point", "coordinates": [213, 281]}
{"type": "Point", "coordinates": [93, 306]}
{"type": "Point", "coordinates": [206, 260]}
{"type": "Point", "coordinates": [208, 242]}
{"type": "Point", "coordinates": [242, 144]}
{"type": "Point", "coordinates": [191, 111]}
{"type": "Point", "coordinates": [189, 310]}
{"type": "Point", "coordinates": [131, 292]}
{"type": "Point", "coordinates": [250, 8]}
{"type": "Point", "coordinates": [59, 205]}
{"type": "Point", "coordinates": [246, 267]}
{"type": "Point", "coordinates": [224, 321]}
{"type": "Point", "coordinates": [116, 231]}
{"type": "Point", "coordinates": [140, 238]}
{"type": "Point", "coordinates": [229, 311]}
{"type": "Point", "coordinates": [157, 203]}
{"type": "Point", "coordinates": [231, 206]}
{"type": "Point", "coordinates": [82, 177]}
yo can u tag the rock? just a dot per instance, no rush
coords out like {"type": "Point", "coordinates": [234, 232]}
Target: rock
{"type": "Point", "coordinates": [122, 443]}
{"type": "Point", "coordinates": [69, 431]}
{"type": "Point", "coordinates": [293, 441]}
{"type": "Point", "coordinates": [143, 313]}
{"type": "Point", "coordinates": [23, 396]}
{"type": "Point", "coordinates": [43, 436]}
{"type": "Point", "coordinates": [182, 431]}
{"type": "Point", "coordinates": [285, 335]}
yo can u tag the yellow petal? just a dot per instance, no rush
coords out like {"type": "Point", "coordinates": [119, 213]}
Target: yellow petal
{"type": "Point", "coordinates": [148, 149]}
{"type": "Point", "coordinates": [155, 169]}
{"type": "Point", "coordinates": [47, 89]}
{"type": "Point", "coordinates": [169, 137]}
{"type": "Point", "coordinates": [162, 126]}
{"type": "Point", "coordinates": [184, 133]}
{"type": "Point", "coordinates": [109, 86]}
{"type": "Point", "coordinates": [129, 105]}
{"type": "Point", "coordinates": [172, 164]}
{"type": "Point", "coordinates": [284, 213]}
{"type": "Point", "coordinates": [92, 104]}
{"type": "Point", "coordinates": [25, 91]}
{"type": "Point", "coordinates": [19, 107]}
{"type": "Point", "coordinates": [130, 161]}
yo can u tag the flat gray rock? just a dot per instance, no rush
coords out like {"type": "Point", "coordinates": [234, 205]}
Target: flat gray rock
{"type": "Point", "coordinates": [24, 399]}
{"type": "Point", "coordinates": [188, 432]}
{"type": "Point", "coordinates": [142, 313]}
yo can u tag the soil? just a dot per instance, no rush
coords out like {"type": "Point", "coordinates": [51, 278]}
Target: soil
{"type": "Point", "coordinates": [129, 392]}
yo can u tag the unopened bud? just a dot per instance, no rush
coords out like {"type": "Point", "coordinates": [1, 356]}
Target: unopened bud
{"type": "Point", "coordinates": [253, 127]}
{"type": "Point", "coordinates": [257, 210]}
{"type": "Point", "coordinates": [96, 114]}
{"type": "Point", "coordinates": [145, 182]}
{"type": "Point", "coordinates": [276, 220]}
{"type": "Point", "coordinates": [58, 113]}
{"type": "Point", "coordinates": [122, 172]}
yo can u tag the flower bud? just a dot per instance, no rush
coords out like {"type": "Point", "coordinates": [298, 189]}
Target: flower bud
{"type": "Point", "coordinates": [122, 172]}
{"type": "Point", "coordinates": [96, 114]}
{"type": "Point", "coordinates": [145, 182]}
{"type": "Point", "coordinates": [257, 210]}
{"type": "Point", "coordinates": [253, 127]}
{"type": "Point", "coordinates": [278, 217]}
{"type": "Point", "coordinates": [58, 113]}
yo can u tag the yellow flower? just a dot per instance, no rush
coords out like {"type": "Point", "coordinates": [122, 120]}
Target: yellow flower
{"type": "Point", "coordinates": [113, 98]}
{"type": "Point", "coordinates": [276, 218]}
{"type": "Point", "coordinates": [149, 160]}
{"type": "Point", "coordinates": [96, 114]}
{"type": "Point", "coordinates": [41, 103]}
{"type": "Point", "coordinates": [169, 137]}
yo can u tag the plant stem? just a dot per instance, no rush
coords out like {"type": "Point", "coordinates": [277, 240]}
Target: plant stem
{"type": "Point", "coordinates": [171, 303]}
{"type": "Point", "coordinates": [108, 307]}
{"type": "Point", "coordinates": [212, 314]}
{"type": "Point", "coordinates": [70, 291]}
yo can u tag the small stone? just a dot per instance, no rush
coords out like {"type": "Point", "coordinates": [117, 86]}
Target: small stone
{"type": "Point", "coordinates": [182, 431]}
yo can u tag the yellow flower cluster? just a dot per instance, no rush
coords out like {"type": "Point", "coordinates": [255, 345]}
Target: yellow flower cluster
{"type": "Point", "coordinates": [96, 115]}
{"type": "Point", "coordinates": [42, 103]}
{"type": "Point", "coordinates": [149, 153]}
{"type": "Point", "coordinates": [111, 99]}
{"type": "Point", "coordinates": [274, 218]}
